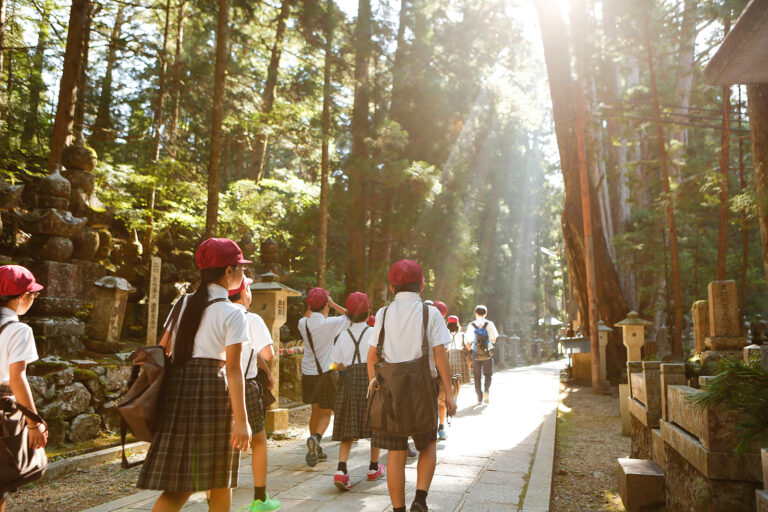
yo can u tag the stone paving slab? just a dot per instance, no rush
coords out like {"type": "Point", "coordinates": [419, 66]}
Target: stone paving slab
{"type": "Point", "coordinates": [484, 465]}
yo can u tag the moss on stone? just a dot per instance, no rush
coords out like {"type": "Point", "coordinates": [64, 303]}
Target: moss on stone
{"type": "Point", "coordinates": [83, 375]}
{"type": "Point", "coordinates": [44, 368]}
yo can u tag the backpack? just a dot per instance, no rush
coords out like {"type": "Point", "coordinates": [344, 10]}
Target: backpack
{"type": "Point", "coordinates": [481, 349]}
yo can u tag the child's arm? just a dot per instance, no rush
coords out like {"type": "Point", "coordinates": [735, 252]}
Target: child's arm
{"type": "Point", "coordinates": [38, 434]}
{"type": "Point", "coordinates": [261, 360]}
{"type": "Point", "coordinates": [373, 358]}
{"type": "Point", "coordinates": [340, 310]}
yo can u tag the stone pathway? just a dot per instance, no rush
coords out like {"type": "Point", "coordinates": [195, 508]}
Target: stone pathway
{"type": "Point", "coordinates": [483, 466]}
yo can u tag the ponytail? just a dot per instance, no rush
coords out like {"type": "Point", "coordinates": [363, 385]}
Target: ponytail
{"type": "Point", "coordinates": [190, 320]}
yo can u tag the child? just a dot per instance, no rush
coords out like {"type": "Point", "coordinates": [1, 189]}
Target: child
{"type": "Point", "coordinates": [318, 330]}
{"type": "Point", "coordinates": [480, 338]}
{"type": "Point", "coordinates": [254, 359]}
{"type": "Point", "coordinates": [204, 422]}
{"type": "Point", "coordinates": [402, 342]}
{"type": "Point", "coordinates": [441, 409]}
{"type": "Point", "coordinates": [350, 357]}
{"type": "Point", "coordinates": [18, 290]}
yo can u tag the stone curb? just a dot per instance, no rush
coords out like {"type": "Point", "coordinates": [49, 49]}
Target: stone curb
{"type": "Point", "coordinates": [539, 493]}
{"type": "Point", "coordinates": [61, 467]}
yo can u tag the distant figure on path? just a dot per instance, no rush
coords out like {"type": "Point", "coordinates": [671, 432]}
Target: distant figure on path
{"type": "Point", "coordinates": [480, 337]}
{"type": "Point", "coordinates": [410, 332]}
{"type": "Point", "coordinates": [318, 331]}
{"type": "Point", "coordinates": [441, 409]}
{"type": "Point", "coordinates": [350, 357]}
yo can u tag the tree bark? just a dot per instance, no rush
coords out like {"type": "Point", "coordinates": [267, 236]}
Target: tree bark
{"type": "Point", "coordinates": [162, 61]}
{"type": "Point", "coordinates": [268, 96]}
{"type": "Point", "coordinates": [217, 119]}
{"type": "Point", "coordinates": [36, 84]}
{"type": "Point", "coordinates": [65, 110]}
{"type": "Point", "coordinates": [744, 224]}
{"type": "Point", "coordinates": [357, 164]}
{"type": "Point", "coordinates": [677, 347]}
{"type": "Point", "coordinates": [725, 157]}
{"type": "Point", "coordinates": [757, 99]}
{"type": "Point", "coordinates": [2, 54]}
{"type": "Point", "coordinates": [686, 61]}
{"type": "Point", "coordinates": [103, 122]}
{"type": "Point", "coordinates": [177, 64]}
{"type": "Point", "coordinates": [325, 158]}
{"type": "Point", "coordinates": [611, 301]}
{"type": "Point", "coordinates": [82, 77]}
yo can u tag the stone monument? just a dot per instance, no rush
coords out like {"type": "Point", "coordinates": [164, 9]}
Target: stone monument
{"type": "Point", "coordinates": [633, 334]}
{"type": "Point", "coordinates": [725, 335]}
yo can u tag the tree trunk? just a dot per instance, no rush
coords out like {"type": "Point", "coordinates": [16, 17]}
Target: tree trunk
{"type": "Point", "coordinates": [103, 122]}
{"type": "Point", "coordinates": [612, 304]}
{"type": "Point", "coordinates": [36, 84]}
{"type": "Point", "coordinates": [744, 224]}
{"type": "Point", "coordinates": [162, 61]}
{"type": "Point", "coordinates": [725, 157]}
{"type": "Point", "coordinates": [757, 99]}
{"type": "Point", "coordinates": [268, 96]}
{"type": "Point", "coordinates": [217, 118]}
{"type": "Point", "coordinates": [2, 54]}
{"type": "Point", "coordinates": [357, 164]}
{"type": "Point", "coordinates": [65, 110]}
{"type": "Point", "coordinates": [173, 124]}
{"type": "Point", "coordinates": [677, 347]}
{"type": "Point", "coordinates": [82, 77]}
{"type": "Point", "coordinates": [686, 61]}
{"type": "Point", "coordinates": [325, 158]}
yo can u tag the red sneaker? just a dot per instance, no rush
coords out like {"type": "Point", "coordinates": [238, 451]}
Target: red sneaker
{"type": "Point", "coordinates": [375, 475]}
{"type": "Point", "coordinates": [342, 481]}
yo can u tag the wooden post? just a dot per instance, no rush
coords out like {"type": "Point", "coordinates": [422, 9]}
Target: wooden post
{"type": "Point", "coordinates": [589, 255]}
{"type": "Point", "coordinates": [154, 300]}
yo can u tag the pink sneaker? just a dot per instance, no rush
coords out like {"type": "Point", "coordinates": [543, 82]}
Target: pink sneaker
{"type": "Point", "coordinates": [375, 475]}
{"type": "Point", "coordinates": [342, 481]}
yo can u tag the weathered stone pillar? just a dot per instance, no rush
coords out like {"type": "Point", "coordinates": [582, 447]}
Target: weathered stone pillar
{"type": "Point", "coordinates": [633, 334]}
{"type": "Point", "coordinates": [725, 338]}
{"type": "Point", "coordinates": [270, 301]}
{"type": "Point", "coordinates": [700, 312]}
{"type": "Point", "coordinates": [109, 308]}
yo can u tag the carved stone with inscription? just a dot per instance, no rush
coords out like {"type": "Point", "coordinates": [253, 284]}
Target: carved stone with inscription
{"type": "Point", "coordinates": [724, 320]}
{"type": "Point", "coordinates": [109, 308]}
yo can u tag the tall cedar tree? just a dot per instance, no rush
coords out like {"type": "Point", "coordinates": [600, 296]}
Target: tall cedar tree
{"type": "Point", "coordinates": [325, 163]}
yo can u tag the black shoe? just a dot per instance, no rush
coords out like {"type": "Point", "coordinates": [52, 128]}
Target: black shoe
{"type": "Point", "coordinates": [312, 451]}
{"type": "Point", "coordinates": [418, 507]}
{"type": "Point", "coordinates": [321, 455]}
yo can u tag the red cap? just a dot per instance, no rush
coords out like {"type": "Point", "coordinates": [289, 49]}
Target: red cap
{"type": "Point", "coordinates": [371, 320]}
{"type": "Point", "coordinates": [453, 319]}
{"type": "Point", "coordinates": [15, 280]}
{"type": "Point", "coordinates": [218, 253]}
{"type": "Point", "coordinates": [405, 272]}
{"type": "Point", "coordinates": [357, 303]}
{"type": "Point", "coordinates": [441, 307]}
{"type": "Point", "coordinates": [317, 298]}
{"type": "Point", "coordinates": [247, 281]}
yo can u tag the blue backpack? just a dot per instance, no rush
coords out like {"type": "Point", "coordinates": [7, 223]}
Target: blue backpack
{"type": "Point", "coordinates": [480, 348]}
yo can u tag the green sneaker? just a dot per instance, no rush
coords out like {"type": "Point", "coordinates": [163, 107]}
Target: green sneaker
{"type": "Point", "coordinates": [270, 505]}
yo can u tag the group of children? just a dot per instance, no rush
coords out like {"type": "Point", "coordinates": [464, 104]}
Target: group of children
{"type": "Point", "coordinates": [218, 378]}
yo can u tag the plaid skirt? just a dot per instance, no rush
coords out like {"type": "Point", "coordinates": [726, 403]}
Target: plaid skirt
{"type": "Point", "coordinates": [191, 450]}
{"type": "Point", "coordinates": [349, 421]}
{"type": "Point", "coordinates": [459, 366]}
{"type": "Point", "coordinates": [253, 405]}
{"type": "Point", "coordinates": [312, 392]}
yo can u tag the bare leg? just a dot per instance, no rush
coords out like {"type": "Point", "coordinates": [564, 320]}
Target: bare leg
{"type": "Point", "coordinates": [171, 501]}
{"type": "Point", "coordinates": [259, 459]}
{"type": "Point", "coordinates": [2, 504]}
{"type": "Point", "coordinates": [313, 419]}
{"type": "Point", "coordinates": [323, 420]}
{"type": "Point", "coordinates": [425, 468]}
{"type": "Point", "coordinates": [344, 449]}
{"type": "Point", "coordinates": [442, 409]}
{"type": "Point", "coordinates": [396, 476]}
{"type": "Point", "coordinates": [375, 452]}
{"type": "Point", "coordinates": [221, 500]}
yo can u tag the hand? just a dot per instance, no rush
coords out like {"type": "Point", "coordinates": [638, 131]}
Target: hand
{"type": "Point", "coordinates": [450, 404]}
{"type": "Point", "coordinates": [38, 437]}
{"type": "Point", "coordinates": [241, 436]}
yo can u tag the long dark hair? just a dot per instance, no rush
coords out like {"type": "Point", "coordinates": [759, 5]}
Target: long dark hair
{"type": "Point", "coordinates": [190, 320]}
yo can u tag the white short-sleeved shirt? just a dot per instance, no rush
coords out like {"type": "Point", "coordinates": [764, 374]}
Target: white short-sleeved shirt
{"type": "Point", "coordinates": [324, 331]}
{"type": "Point", "coordinates": [344, 348]}
{"type": "Point", "coordinates": [403, 330]}
{"type": "Point", "coordinates": [17, 343]}
{"type": "Point", "coordinates": [221, 325]}
{"type": "Point", "coordinates": [476, 324]}
{"type": "Point", "coordinates": [260, 339]}
{"type": "Point", "coordinates": [457, 339]}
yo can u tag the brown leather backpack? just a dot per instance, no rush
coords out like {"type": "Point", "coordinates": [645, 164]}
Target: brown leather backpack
{"type": "Point", "coordinates": [402, 399]}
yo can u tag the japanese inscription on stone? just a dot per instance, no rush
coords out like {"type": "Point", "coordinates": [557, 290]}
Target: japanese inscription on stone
{"type": "Point", "coordinates": [153, 300]}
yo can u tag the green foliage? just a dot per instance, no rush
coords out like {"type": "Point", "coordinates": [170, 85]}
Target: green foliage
{"type": "Point", "coordinates": [741, 388]}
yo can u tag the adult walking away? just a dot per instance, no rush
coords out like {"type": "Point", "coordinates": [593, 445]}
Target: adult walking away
{"type": "Point", "coordinates": [480, 338]}
{"type": "Point", "coordinates": [318, 331]}
{"type": "Point", "coordinates": [349, 356]}
{"type": "Point", "coordinates": [18, 290]}
{"type": "Point", "coordinates": [407, 331]}
{"type": "Point", "coordinates": [255, 357]}
{"type": "Point", "coordinates": [203, 424]}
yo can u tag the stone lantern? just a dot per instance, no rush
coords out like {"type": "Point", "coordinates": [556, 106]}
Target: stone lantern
{"type": "Point", "coordinates": [604, 333]}
{"type": "Point", "coordinates": [270, 302]}
{"type": "Point", "coordinates": [633, 332]}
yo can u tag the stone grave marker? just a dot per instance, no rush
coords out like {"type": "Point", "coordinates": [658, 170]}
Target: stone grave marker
{"type": "Point", "coordinates": [153, 300]}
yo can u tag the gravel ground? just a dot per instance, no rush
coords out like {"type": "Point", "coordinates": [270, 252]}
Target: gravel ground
{"type": "Point", "coordinates": [106, 482]}
{"type": "Point", "coordinates": [589, 441]}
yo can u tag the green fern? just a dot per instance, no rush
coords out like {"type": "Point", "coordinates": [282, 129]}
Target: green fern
{"type": "Point", "coordinates": [741, 388]}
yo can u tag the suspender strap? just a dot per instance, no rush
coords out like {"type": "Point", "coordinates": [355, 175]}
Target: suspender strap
{"type": "Point", "coordinates": [312, 346]}
{"type": "Point", "coordinates": [356, 342]}
{"type": "Point", "coordinates": [6, 324]}
{"type": "Point", "coordinates": [380, 344]}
